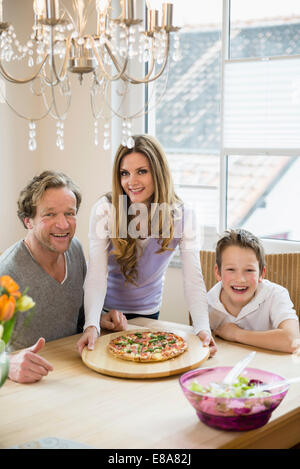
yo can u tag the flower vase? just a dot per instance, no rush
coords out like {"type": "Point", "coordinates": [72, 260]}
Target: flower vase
{"type": "Point", "coordinates": [4, 363]}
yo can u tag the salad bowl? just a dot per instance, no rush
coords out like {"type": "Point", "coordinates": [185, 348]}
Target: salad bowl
{"type": "Point", "coordinates": [237, 407]}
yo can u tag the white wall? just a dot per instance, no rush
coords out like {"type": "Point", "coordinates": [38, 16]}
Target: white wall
{"type": "Point", "coordinates": [17, 164]}
{"type": "Point", "coordinates": [174, 307]}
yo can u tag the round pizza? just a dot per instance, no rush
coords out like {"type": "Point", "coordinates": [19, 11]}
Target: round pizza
{"type": "Point", "coordinates": [147, 346]}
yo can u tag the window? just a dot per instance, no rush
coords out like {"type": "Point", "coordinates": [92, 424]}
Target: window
{"type": "Point", "coordinates": [230, 116]}
{"type": "Point", "coordinates": [187, 120]}
{"type": "Point", "coordinates": [260, 30]}
{"type": "Point", "coordinates": [263, 194]}
{"type": "Point", "coordinates": [262, 118]}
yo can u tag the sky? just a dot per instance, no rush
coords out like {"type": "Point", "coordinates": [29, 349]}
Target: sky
{"type": "Point", "coordinates": [210, 11]}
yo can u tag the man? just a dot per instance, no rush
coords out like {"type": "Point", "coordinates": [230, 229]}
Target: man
{"type": "Point", "coordinates": [51, 263]}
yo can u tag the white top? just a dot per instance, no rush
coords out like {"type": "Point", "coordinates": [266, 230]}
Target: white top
{"type": "Point", "coordinates": [99, 265]}
{"type": "Point", "coordinates": [270, 306]}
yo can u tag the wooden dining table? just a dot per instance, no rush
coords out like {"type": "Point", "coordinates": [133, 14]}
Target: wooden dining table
{"type": "Point", "coordinates": [78, 404]}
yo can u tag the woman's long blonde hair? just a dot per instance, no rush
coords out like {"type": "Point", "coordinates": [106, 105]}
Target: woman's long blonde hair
{"type": "Point", "coordinates": [125, 249]}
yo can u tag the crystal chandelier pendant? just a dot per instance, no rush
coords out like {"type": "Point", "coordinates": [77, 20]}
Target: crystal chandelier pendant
{"type": "Point", "coordinates": [130, 142]}
{"type": "Point", "coordinates": [32, 134]}
{"type": "Point", "coordinates": [124, 133]}
{"type": "Point", "coordinates": [177, 53]}
{"type": "Point", "coordinates": [60, 44]}
{"type": "Point", "coordinates": [127, 139]}
{"type": "Point", "coordinates": [96, 133]}
{"type": "Point", "coordinates": [60, 134]}
{"type": "Point", "coordinates": [106, 141]}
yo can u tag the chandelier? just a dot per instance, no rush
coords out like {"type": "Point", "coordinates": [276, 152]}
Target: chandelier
{"type": "Point", "coordinates": [60, 46]}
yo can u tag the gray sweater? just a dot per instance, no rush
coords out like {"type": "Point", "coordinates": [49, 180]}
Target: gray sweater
{"type": "Point", "coordinates": [57, 304]}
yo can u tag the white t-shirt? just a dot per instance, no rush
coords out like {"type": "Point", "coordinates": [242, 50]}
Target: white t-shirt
{"type": "Point", "coordinates": [270, 306]}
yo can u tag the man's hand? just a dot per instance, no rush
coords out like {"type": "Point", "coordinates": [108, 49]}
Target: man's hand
{"type": "Point", "coordinates": [113, 321]}
{"type": "Point", "coordinates": [208, 341]}
{"type": "Point", "coordinates": [28, 367]}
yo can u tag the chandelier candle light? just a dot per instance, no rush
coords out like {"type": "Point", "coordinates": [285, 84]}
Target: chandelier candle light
{"type": "Point", "coordinates": [60, 45]}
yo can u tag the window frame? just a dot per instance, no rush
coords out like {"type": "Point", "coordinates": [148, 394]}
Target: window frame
{"type": "Point", "coordinates": [226, 152]}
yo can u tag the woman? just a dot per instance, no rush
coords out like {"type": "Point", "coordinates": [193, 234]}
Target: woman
{"type": "Point", "coordinates": [133, 234]}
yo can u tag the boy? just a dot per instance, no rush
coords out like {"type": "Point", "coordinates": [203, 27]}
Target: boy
{"type": "Point", "coordinates": [243, 306]}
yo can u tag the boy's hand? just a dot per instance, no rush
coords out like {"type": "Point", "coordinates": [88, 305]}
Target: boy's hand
{"type": "Point", "coordinates": [208, 341]}
{"type": "Point", "coordinates": [228, 331]}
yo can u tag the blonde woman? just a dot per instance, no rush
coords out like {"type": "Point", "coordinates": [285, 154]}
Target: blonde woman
{"type": "Point", "coordinates": [133, 235]}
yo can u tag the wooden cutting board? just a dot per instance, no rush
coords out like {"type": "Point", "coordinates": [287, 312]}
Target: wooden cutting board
{"type": "Point", "coordinates": [102, 361]}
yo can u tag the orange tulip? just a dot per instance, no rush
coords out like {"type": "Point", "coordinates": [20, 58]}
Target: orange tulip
{"type": "Point", "coordinates": [10, 285]}
{"type": "Point", "coordinates": [7, 307]}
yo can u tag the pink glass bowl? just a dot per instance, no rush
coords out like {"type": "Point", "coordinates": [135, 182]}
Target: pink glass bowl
{"type": "Point", "coordinates": [237, 414]}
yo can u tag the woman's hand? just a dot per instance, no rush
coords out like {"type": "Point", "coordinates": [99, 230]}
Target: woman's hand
{"type": "Point", "coordinates": [208, 341]}
{"type": "Point", "coordinates": [88, 338]}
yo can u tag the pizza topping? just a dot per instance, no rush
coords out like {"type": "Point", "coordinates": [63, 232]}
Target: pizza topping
{"type": "Point", "coordinates": [147, 346]}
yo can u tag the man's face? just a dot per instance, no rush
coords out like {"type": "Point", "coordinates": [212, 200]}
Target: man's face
{"type": "Point", "coordinates": [54, 223]}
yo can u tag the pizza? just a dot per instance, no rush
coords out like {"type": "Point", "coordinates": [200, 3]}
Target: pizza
{"type": "Point", "coordinates": [147, 346]}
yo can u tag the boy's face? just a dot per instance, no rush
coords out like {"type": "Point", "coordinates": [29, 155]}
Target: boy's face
{"type": "Point", "coordinates": [239, 275]}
